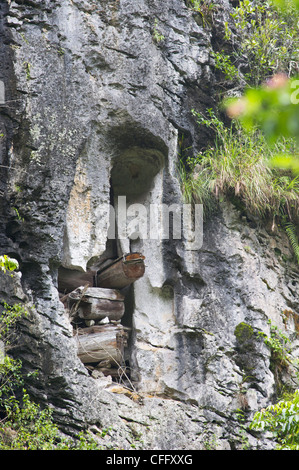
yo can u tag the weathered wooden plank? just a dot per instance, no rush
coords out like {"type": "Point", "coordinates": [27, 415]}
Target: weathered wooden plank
{"type": "Point", "coordinates": [93, 303]}
{"type": "Point", "coordinates": [102, 343]}
{"type": "Point", "coordinates": [115, 274]}
{"type": "Point", "coordinates": [120, 329]}
{"type": "Point", "coordinates": [98, 293]}
{"type": "Point", "coordinates": [70, 279]}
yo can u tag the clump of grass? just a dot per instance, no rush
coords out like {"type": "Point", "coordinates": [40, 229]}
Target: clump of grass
{"type": "Point", "coordinates": [197, 186]}
{"type": "Point", "coordinates": [239, 166]}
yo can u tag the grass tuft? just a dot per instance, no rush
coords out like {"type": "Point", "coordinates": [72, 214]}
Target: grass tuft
{"type": "Point", "coordinates": [239, 166]}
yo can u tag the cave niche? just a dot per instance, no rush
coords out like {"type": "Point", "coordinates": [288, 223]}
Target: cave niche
{"type": "Point", "coordinates": [134, 170]}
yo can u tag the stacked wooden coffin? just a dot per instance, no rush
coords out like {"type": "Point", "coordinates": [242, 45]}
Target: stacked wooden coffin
{"type": "Point", "coordinates": [96, 314]}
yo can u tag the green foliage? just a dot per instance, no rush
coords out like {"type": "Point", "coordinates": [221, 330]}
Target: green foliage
{"type": "Point", "coordinates": [85, 441]}
{"type": "Point", "coordinates": [282, 360]}
{"type": "Point", "coordinates": [9, 317]}
{"type": "Point", "coordinates": [243, 332]}
{"type": "Point", "coordinates": [8, 264]}
{"type": "Point", "coordinates": [205, 8]}
{"type": "Point", "coordinates": [157, 36]}
{"type": "Point", "coordinates": [266, 40]}
{"type": "Point", "coordinates": [281, 419]}
{"type": "Point", "coordinates": [223, 62]}
{"type": "Point", "coordinates": [283, 4]}
{"type": "Point", "coordinates": [278, 343]}
{"type": "Point", "coordinates": [27, 67]}
{"type": "Point", "coordinates": [238, 166]}
{"type": "Point", "coordinates": [202, 5]}
{"type": "Point", "coordinates": [269, 39]}
{"type": "Point", "coordinates": [25, 425]}
{"type": "Point", "coordinates": [291, 232]}
{"type": "Point", "coordinates": [10, 369]}
{"type": "Point", "coordinates": [197, 187]}
{"type": "Point", "coordinates": [273, 107]}
{"type": "Point", "coordinates": [29, 427]}
{"type": "Point", "coordinates": [10, 375]}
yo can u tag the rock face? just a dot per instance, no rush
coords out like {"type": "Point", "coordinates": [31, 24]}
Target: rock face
{"type": "Point", "coordinates": [98, 97]}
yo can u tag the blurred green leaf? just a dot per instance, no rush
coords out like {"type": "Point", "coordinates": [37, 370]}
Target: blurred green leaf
{"type": "Point", "coordinates": [286, 3]}
{"type": "Point", "coordinates": [8, 264]}
{"type": "Point", "coordinates": [286, 162]}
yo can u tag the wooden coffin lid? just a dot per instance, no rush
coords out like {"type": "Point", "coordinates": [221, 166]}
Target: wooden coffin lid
{"type": "Point", "coordinates": [97, 293]}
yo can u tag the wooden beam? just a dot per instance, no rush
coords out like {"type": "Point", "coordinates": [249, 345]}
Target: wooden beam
{"type": "Point", "coordinates": [102, 343]}
{"type": "Point", "coordinates": [93, 303]}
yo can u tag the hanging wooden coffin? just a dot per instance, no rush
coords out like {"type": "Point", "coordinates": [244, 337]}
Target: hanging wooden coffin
{"type": "Point", "coordinates": [69, 279]}
{"type": "Point", "coordinates": [94, 303]}
{"type": "Point", "coordinates": [121, 272]}
{"type": "Point", "coordinates": [102, 343]}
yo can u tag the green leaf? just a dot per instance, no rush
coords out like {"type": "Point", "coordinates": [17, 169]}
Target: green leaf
{"type": "Point", "coordinates": [8, 264]}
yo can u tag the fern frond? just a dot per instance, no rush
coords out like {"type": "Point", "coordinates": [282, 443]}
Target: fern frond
{"type": "Point", "coordinates": [291, 232]}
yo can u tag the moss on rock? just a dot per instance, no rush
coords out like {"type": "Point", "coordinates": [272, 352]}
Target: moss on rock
{"type": "Point", "coordinates": [243, 332]}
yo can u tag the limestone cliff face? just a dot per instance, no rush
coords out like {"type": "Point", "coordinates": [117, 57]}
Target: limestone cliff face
{"type": "Point", "coordinates": [98, 97]}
